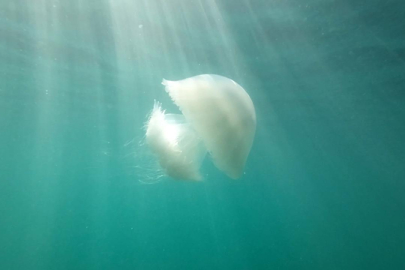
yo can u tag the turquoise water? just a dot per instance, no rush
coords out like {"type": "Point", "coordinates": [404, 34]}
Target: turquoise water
{"type": "Point", "coordinates": [324, 183]}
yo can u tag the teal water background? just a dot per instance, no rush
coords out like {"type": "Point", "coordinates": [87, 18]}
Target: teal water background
{"type": "Point", "coordinates": [324, 186]}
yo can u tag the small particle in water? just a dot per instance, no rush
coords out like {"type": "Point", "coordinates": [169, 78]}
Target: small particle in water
{"type": "Point", "coordinates": [140, 26]}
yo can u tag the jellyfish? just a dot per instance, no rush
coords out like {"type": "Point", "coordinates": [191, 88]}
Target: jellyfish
{"type": "Point", "coordinates": [218, 119]}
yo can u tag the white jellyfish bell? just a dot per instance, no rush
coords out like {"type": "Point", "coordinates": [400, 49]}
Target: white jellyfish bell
{"type": "Point", "coordinates": [218, 117]}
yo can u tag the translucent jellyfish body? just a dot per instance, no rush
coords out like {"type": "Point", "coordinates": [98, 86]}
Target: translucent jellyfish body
{"type": "Point", "coordinates": [217, 117]}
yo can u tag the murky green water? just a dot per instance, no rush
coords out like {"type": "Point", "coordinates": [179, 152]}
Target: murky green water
{"type": "Point", "coordinates": [324, 184]}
